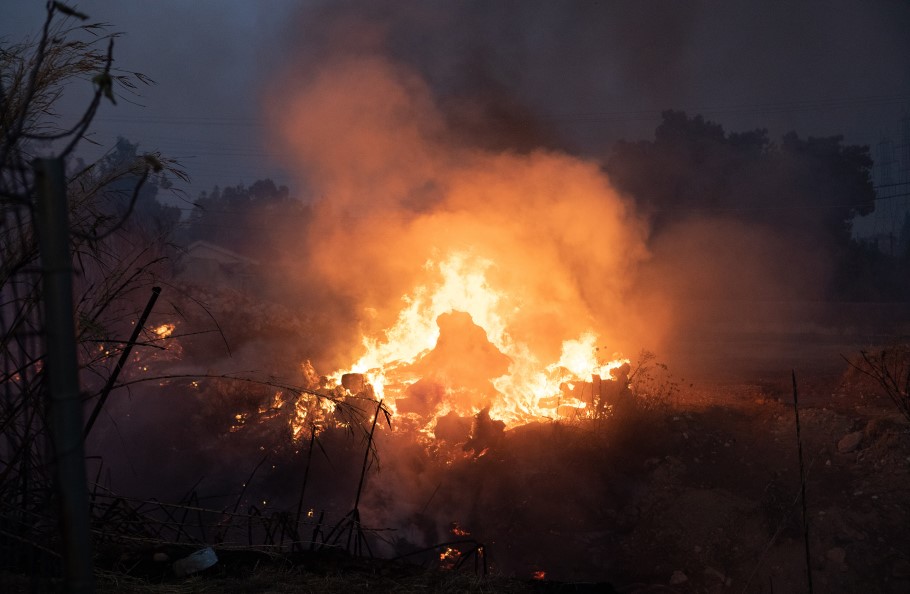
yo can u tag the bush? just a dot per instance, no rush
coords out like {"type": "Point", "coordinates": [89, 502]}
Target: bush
{"type": "Point", "coordinates": [890, 368]}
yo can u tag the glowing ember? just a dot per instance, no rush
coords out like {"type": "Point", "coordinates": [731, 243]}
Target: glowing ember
{"type": "Point", "coordinates": [240, 420]}
{"type": "Point", "coordinates": [164, 330]}
{"type": "Point", "coordinates": [274, 407]}
{"type": "Point", "coordinates": [449, 557]}
{"type": "Point", "coordinates": [539, 575]}
{"type": "Point", "coordinates": [458, 530]}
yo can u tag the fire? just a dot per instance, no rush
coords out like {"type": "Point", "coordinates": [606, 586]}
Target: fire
{"type": "Point", "coordinates": [274, 406]}
{"type": "Point", "coordinates": [508, 266]}
{"type": "Point", "coordinates": [463, 288]}
{"type": "Point", "coordinates": [458, 530]}
{"type": "Point", "coordinates": [164, 330]}
{"type": "Point", "coordinates": [449, 557]}
{"type": "Point", "coordinates": [451, 350]}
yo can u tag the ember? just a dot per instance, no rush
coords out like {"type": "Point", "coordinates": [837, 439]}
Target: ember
{"type": "Point", "coordinates": [449, 557]}
{"type": "Point", "coordinates": [164, 330]}
{"type": "Point", "coordinates": [458, 530]}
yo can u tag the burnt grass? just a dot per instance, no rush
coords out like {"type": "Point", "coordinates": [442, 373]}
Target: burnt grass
{"type": "Point", "coordinates": [700, 494]}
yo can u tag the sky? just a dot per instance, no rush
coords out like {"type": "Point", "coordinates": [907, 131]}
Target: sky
{"type": "Point", "coordinates": [588, 72]}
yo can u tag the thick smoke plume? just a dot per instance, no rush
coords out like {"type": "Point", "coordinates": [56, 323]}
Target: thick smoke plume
{"type": "Point", "coordinates": [394, 192]}
{"type": "Point", "coordinates": [421, 128]}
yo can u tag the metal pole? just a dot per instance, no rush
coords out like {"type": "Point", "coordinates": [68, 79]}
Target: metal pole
{"type": "Point", "coordinates": [65, 402]}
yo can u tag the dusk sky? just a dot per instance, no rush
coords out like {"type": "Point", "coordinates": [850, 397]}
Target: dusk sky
{"type": "Point", "coordinates": [589, 72]}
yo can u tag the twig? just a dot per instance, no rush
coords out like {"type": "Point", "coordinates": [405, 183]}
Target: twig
{"type": "Point", "coordinates": [350, 523]}
{"type": "Point", "coordinates": [366, 456]}
{"type": "Point", "coordinates": [427, 504]}
{"type": "Point", "coordinates": [306, 475]}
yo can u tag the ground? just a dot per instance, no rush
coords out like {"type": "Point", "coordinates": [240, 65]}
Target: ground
{"type": "Point", "coordinates": [704, 496]}
{"type": "Point", "coordinates": [697, 494]}
{"type": "Point", "coordinates": [708, 495]}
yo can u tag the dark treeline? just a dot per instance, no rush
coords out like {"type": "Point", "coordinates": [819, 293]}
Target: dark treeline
{"type": "Point", "coordinates": [804, 193]}
{"type": "Point", "coordinates": [257, 220]}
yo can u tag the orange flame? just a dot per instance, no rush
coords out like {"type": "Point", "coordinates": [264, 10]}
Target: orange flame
{"type": "Point", "coordinates": [164, 330]}
{"type": "Point", "coordinates": [458, 530]}
{"type": "Point", "coordinates": [523, 390]}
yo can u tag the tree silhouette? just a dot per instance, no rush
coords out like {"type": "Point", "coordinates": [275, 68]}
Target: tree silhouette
{"type": "Point", "coordinates": [266, 211]}
{"type": "Point", "coordinates": [803, 191]}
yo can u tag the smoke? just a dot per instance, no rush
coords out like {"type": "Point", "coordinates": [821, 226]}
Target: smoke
{"type": "Point", "coordinates": [524, 73]}
{"type": "Point", "coordinates": [734, 298]}
{"type": "Point", "coordinates": [421, 128]}
{"type": "Point", "coordinates": [395, 191]}
{"type": "Point", "coordinates": [594, 72]}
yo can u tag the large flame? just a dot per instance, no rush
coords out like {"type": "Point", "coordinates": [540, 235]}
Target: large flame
{"type": "Point", "coordinates": [522, 387]}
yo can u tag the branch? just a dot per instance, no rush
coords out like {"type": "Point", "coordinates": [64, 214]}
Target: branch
{"type": "Point", "coordinates": [129, 210]}
{"type": "Point", "coordinates": [104, 88]}
{"type": "Point", "coordinates": [298, 390]}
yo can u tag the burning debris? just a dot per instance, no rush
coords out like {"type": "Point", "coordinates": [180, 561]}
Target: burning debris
{"type": "Point", "coordinates": [485, 434]}
{"type": "Point", "coordinates": [452, 355]}
{"type": "Point", "coordinates": [463, 362]}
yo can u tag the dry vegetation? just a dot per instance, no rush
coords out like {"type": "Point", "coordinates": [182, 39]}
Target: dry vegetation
{"type": "Point", "coordinates": [696, 495]}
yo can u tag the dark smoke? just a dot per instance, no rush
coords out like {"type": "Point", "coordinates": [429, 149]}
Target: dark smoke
{"type": "Point", "coordinates": [600, 71]}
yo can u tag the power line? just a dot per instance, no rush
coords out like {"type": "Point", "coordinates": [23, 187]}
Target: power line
{"type": "Point", "coordinates": [904, 183]}
{"type": "Point", "coordinates": [743, 109]}
{"type": "Point", "coordinates": [611, 115]}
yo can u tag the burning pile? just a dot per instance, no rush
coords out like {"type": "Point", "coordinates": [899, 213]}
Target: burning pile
{"type": "Point", "coordinates": [450, 356]}
{"type": "Point", "coordinates": [481, 280]}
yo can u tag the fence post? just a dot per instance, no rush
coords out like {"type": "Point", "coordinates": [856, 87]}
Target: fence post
{"type": "Point", "coordinates": [65, 401]}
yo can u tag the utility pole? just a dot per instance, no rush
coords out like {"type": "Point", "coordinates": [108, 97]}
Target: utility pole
{"type": "Point", "coordinates": [62, 372]}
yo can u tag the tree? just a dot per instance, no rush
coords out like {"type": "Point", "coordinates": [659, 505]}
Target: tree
{"type": "Point", "coordinates": [264, 207]}
{"type": "Point", "coordinates": [118, 173]}
{"type": "Point", "coordinates": [803, 191]}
